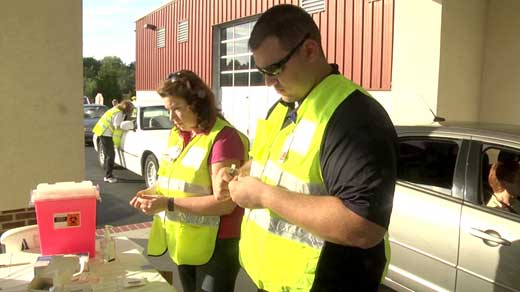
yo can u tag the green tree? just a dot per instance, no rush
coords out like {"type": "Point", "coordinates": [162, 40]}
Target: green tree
{"type": "Point", "coordinates": [90, 71]}
{"type": "Point", "coordinates": [90, 67]}
{"type": "Point", "coordinates": [90, 87]}
{"type": "Point", "coordinates": [127, 80]}
{"type": "Point", "coordinates": [110, 76]}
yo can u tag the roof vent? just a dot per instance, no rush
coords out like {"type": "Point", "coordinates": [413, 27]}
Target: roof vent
{"type": "Point", "coordinates": [182, 31]}
{"type": "Point", "coordinates": [313, 6]}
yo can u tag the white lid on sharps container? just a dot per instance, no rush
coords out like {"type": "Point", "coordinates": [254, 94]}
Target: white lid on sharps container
{"type": "Point", "coordinates": [64, 190]}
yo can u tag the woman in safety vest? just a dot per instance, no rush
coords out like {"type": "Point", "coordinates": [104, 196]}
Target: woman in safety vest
{"type": "Point", "coordinates": [109, 131]}
{"type": "Point", "coordinates": [200, 233]}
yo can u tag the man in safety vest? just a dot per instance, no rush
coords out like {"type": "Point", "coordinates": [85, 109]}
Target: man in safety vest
{"type": "Point", "coordinates": [109, 131]}
{"type": "Point", "coordinates": [320, 186]}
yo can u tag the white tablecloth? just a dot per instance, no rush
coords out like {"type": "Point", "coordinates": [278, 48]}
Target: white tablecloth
{"type": "Point", "coordinates": [16, 270]}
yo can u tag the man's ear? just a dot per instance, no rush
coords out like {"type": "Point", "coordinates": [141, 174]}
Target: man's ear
{"type": "Point", "coordinates": [312, 49]}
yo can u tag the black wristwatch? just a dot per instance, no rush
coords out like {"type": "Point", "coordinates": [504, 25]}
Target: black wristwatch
{"type": "Point", "coordinates": [171, 204]}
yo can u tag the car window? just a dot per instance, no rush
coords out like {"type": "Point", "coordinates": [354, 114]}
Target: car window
{"type": "Point", "coordinates": [155, 118]}
{"type": "Point", "coordinates": [500, 179]}
{"type": "Point", "coordinates": [428, 162]}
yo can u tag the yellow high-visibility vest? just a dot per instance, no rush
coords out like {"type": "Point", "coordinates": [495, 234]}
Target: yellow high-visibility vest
{"type": "Point", "coordinates": [278, 255]}
{"type": "Point", "coordinates": [105, 122]}
{"type": "Point", "coordinates": [185, 172]}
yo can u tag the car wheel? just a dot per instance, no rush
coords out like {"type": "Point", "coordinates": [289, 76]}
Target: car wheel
{"type": "Point", "coordinates": [101, 155]}
{"type": "Point", "coordinates": [151, 167]}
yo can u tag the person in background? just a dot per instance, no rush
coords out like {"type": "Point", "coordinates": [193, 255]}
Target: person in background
{"type": "Point", "coordinates": [115, 102]}
{"type": "Point", "coordinates": [99, 99]}
{"type": "Point", "coordinates": [200, 233]}
{"type": "Point", "coordinates": [108, 129]}
{"type": "Point", "coordinates": [504, 179]}
{"type": "Point", "coordinates": [320, 186]}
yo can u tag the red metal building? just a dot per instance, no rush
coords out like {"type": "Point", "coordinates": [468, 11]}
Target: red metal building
{"type": "Point", "coordinates": [208, 38]}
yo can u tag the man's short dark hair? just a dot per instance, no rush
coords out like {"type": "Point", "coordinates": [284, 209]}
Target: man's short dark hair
{"type": "Point", "coordinates": [286, 22]}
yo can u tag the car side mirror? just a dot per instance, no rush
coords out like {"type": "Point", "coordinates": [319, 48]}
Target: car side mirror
{"type": "Point", "coordinates": [127, 125]}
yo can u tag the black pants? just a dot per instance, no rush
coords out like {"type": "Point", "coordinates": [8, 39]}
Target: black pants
{"type": "Point", "coordinates": [218, 275]}
{"type": "Point", "coordinates": [110, 155]}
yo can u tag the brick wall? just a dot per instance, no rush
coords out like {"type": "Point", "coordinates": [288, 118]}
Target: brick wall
{"type": "Point", "coordinates": [16, 218]}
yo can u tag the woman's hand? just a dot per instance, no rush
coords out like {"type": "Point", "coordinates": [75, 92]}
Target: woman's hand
{"type": "Point", "coordinates": [148, 202]}
{"type": "Point", "coordinates": [134, 202]}
{"type": "Point", "coordinates": [220, 183]}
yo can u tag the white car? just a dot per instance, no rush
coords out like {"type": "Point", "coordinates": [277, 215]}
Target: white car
{"type": "Point", "coordinates": [143, 142]}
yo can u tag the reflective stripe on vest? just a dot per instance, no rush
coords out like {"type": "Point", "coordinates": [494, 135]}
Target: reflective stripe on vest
{"type": "Point", "coordinates": [188, 218]}
{"type": "Point", "coordinates": [193, 219]}
{"type": "Point", "coordinates": [256, 169]}
{"type": "Point", "coordinates": [183, 186]}
{"type": "Point", "coordinates": [282, 228]}
{"type": "Point", "coordinates": [277, 176]}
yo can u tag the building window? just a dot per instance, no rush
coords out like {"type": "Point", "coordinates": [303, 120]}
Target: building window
{"type": "Point", "coordinates": [182, 31]}
{"type": "Point", "coordinates": [161, 37]}
{"type": "Point", "coordinates": [237, 66]}
{"type": "Point", "coordinates": [313, 6]}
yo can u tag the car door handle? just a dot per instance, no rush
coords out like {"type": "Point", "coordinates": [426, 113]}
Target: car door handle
{"type": "Point", "coordinates": [489, 235]}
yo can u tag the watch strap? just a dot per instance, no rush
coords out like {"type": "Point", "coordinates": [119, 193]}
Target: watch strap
{"type": "Point", "coordinates": [171, 204]}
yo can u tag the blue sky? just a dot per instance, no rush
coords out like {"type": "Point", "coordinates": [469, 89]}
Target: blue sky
{"type": "Point", "coordinates": [108, 26]}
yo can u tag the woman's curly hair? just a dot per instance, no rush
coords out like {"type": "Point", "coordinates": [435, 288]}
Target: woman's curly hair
{"type": "Point", "coordinates": [199, 97]}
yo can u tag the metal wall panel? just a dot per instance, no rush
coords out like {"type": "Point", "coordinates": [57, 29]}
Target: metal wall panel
{"type": "Point", "coordinates": [356, 34]}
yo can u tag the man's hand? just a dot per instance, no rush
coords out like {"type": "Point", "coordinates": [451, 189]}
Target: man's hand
{"type": "Point", "coordinates": [248, 192]}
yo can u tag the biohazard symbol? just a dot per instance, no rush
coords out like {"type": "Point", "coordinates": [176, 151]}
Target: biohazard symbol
{"type": "Point", "coordinates": [73, 219]}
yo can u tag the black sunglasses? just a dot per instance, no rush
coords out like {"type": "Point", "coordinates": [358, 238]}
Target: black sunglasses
{"type": "Point", "coordinates": [276, 68]}
{"type": "Point", "coordinates": [179, 77]}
